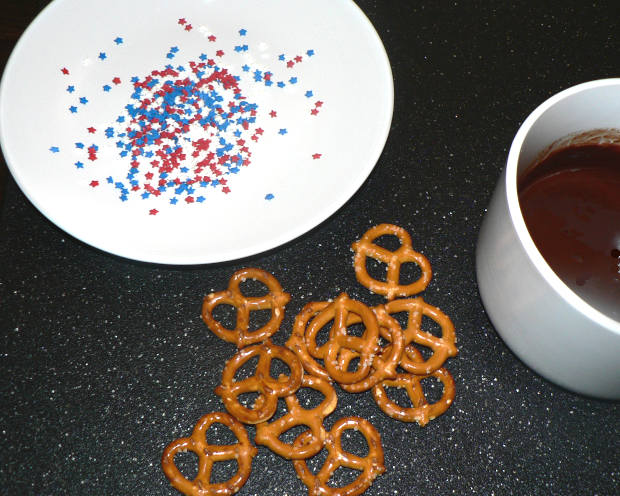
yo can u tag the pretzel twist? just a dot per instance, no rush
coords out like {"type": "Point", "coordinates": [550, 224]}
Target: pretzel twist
{"type": "Point", "coordinates": [443, 347]}
{"type": "Point", "coordinates": [421, 410]}
{"type": "Point", "coordinates": [339, 312]}
{"type": "Point", "coordinates": [300, 342]}
{"type": "Point", "coordinates": [385, 362]}
{"type": "Point", "coordinates": [391, 287]}
{"type": "Point", "coordinates": [268, 388]}
{"type": "Point", "coordinates": [369, 466]}
{"type": "Point", "coordinates": [208, 454]}
{"type": "Point", "coordinates": [268, 434]}
{"type": "Point", "coordinates": [275, 300]}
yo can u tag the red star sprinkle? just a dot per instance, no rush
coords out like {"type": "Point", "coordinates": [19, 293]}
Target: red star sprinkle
{"type": "Point", "coordinates": [116, 80]}
{"type": "Point", "coordinates": [225, 189]}
{"type": "Point", "coordinates": [318, 103]}
{"type": "Point", "coordinates": [219, 53]}
{"type": "Point", "coordinates": [314, 111]}
{"type": "Point", "coordinates": [153, 211]}
{"type": "Point", "coordinates": [298, 58]}
{"type": "Point", "coordinates": [316, 156]}
{"type": "Point", "coordinates": [94, 183]}
{"type": "Point", "coordinates": [64, 70]}
{"type": "Point", "coordinates": [182, 21]}
{"type": "Point", "coordinates": [91, 130]}
{"type": "Point", "coordinates": [290, 63]}
{"type": "Point", "coordinates": [212, 38]}
{"type": "Point", "coordinates": [273, 113]}
{"type": "Point", "coordinates": [188, 27]}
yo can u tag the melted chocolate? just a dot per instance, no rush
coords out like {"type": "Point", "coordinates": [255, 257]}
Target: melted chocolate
{"type": "Point", "coordinates": [571, 206]}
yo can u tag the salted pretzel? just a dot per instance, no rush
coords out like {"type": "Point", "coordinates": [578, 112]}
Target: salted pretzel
{"type": "Point", "coordinates": [385, 362]}
{"type": "Point", "coordinates": [391, 287]}
{"type": "Point", "coordinates": [267, 388]}
{"type": "Point", "coordinates": [421, 411]}
{"type": "Point", "coordinates": [297, 342]}
{"type": "Point", "coordinates": [443, 347]}
{"type": "Point", "coordinates": [242, 453]}
{"type": "Point", "coordinates": [339, 313]}
{"type": "Point", "coordinates": [268, 434]}
{"type": "Point", "coordinates": [275, 300]}
{"type": "Point", "coordinates": [370, 466]}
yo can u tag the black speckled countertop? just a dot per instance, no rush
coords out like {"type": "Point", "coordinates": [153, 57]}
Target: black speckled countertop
{"type": "Point", "coordinates": [103, 361]}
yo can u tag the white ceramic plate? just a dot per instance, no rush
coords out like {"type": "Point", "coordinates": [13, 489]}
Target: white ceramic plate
{"type": "Point", "coordinates": [187, 131]}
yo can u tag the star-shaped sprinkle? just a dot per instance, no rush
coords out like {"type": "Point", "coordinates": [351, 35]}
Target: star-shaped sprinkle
{"type": "Point", "coordinates": [70, 89]}
{"type": "Point", "coordinates": [316, 156]}
{"type": "Point", "coordinates": [116, 80]}
{"type": "Point", "coordinates": [273, 113]}
{"type": "Point", "coordinates": [102, 55]}
{"type": "Point", "coordinates": [118, 40]}
{"type": "Point", "coordinates": [83, 100]}
{"type": "Point", "coordinates": [54, 149]}
{"type": "Point", "coordinates": [242, 32]}
{"type": "Point", "coordinates": [106, 87]}
{"type": "Point", "coordinates": [79, 165]}
{"type": "Point", "coordinates": [91, 130]}
{"type": "Point", "coordinates": [308, 94]}
{"type": "Point", "coordinates": [310, 53]}
{"type": "Point", "coordinates": [212, 38]}
{"type": "Point", "coordinates": [282, 131]}
{"type": "Point", "coordinates": [73, 109]}
{"type": "Point", "coordinates": [182, 21]}
{"type": "Point", "coordinates": [65, 71]}
{"type": "Point", "coordinates": [94, 183]}
{"type": "Point", "coordinates": [153, 211]}
{"type": "Point", "coordinates": [269, 196]}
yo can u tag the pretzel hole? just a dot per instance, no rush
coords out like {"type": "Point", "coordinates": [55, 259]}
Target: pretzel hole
{"type": "Point", "coordinates": [279, 367]}
{"type": "Point", "coordinates": [220, 434]}
{"type": "Point", "coordinates": [353, 364]}
{"type": "Point", "coordinates": [248, 369]}
{"type": "Point", "coordinates": [288, 436]}
{"type": "Point", "coordinates": [376, 269]}
{"type": "Point", "coordinates": [353, 441]}
{"type": "Point", "coordinates": [248, 400]}
{"type": "Point", "coordinates": [343, 476]}
{"type": "Point", "coordinates": [187, 463]}
{"type": "Point", "coordinates": [259, 319]}
{"type": "Point", "coordinates": [399, 396]}
{"type": "Point", "coordinates": [309, 398]}
{"type": "Point", "coordinates": [432, 327]}
{"type": "Point", "coordinates": [226, 315]}
{"type": "Point", "coordinates": [357, 330]}
{"type": "Point", "coordinates": [223, 471]}
{"type": "Point", "coordinates": [388, 241]}
{"type": "Point", "coordinates": [433, 389]}
{"type": "Point", "coordinates": [409, 273]}
{"type": "Point", "coordinates": [402, 318]}
{"type": "Point", "coordinates": [322, 337]}
{"type": "Point", "coordinates": [253, 287]}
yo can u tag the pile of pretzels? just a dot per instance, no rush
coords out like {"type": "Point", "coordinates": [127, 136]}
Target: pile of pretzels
{"type": "Point", "coordinates": [383, 356]}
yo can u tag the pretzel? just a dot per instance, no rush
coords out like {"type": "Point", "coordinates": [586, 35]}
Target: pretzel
{"type": "Point", "coordinates": [276, 299]}
{"type": "Point", "coordinates": [370, 466]}
{"type": "Point", "coordinates": [268, 388]}
{"type": "Point", "coordinates": [339, 312]}
{"type": "Point", "coordinates": [384, 363]}
{"type": "Point", "coordinates": [268, 434]}
{"type": "Point", "coordinates": [442, 347]}
{"type": "Point", "coordinates": [241, 453]}
{"type": "Point", "coordinates": [391, 287]}
{"type": "Point", "coordinates": [298, 340]}
{"type": "Point", "coordinates": [421, 411]}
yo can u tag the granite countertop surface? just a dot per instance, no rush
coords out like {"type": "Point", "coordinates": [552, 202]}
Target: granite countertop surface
{"type": "Point", "coordinates": [104, 361]}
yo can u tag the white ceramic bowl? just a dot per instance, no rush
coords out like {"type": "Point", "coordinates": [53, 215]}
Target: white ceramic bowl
{"type": "Point", "coordinates": [549, 327]}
